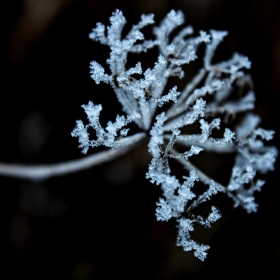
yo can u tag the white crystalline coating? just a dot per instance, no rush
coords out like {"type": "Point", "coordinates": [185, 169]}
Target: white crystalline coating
{"type": "Point", "coordinates": [106, 137]}
{"type": "Point", "coordinates": [206, 103]}
{"type": "Point", "coordinates": [172, 95]}
{"type": "Point", "coordinates": [97, 73]}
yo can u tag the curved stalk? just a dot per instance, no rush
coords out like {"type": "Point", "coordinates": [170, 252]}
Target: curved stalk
{"type": "Point", "coordinates": [45, 171]}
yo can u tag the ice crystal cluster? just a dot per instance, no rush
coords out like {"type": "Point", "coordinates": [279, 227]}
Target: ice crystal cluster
{"type": "Point", "coordinates": [209, 101]}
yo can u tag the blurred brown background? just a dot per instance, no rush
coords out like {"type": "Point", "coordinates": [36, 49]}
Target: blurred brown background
{"type": "Point", "coordinates": [100, 223]}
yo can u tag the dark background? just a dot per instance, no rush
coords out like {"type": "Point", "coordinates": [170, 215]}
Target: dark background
{"type": "Point", "coordinates": [100, 223]}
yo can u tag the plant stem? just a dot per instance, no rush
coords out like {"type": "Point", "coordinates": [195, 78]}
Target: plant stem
{"type": "Point", "coordinates": [45, 171]}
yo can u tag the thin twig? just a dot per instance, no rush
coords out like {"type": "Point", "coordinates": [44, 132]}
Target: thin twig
{"type": "Point", "coordinates": [203, 177]}
{"type": "Point", "coordinates": [46, 171]}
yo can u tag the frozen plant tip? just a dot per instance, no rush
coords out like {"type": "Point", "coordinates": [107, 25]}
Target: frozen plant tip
{"type": "Point", "coordinates": [144, 97]}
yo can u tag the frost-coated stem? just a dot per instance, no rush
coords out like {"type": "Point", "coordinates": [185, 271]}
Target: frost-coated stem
{"type": "Point", "coordinates": [203, 177]}
{"type": "Point", "coordinates": [46, 171]}
{"type": "Point", "coordinates": [177, 108]}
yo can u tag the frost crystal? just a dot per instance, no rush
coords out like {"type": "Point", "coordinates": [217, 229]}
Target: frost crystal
{"type": "Point", "coordinates": [143, 100]}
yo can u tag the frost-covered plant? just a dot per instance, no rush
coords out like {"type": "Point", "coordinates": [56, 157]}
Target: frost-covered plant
{"type": "Point", "coordinates": [144, 97]}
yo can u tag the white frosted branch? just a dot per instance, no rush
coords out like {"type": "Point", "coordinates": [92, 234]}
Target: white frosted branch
{"type": "Point", "coordinates": [46, 171]}
{"type": "Point", "coordinates": [203, 177]}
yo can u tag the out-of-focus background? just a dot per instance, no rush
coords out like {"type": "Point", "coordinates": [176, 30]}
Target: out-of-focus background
{"type": "Point", "coordinates": [100, 223]}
